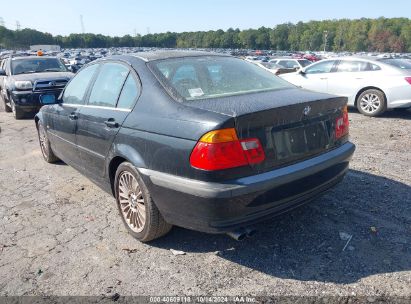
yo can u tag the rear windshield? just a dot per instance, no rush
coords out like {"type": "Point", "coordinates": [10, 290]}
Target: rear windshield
{"type": "Point", "coordinates": [193, 78]}
{"type": "Point", "coordinates": [36, 65]}
{"type": "Point", "coordinates": [399, 63]}
{"type": "Point", "coordinates": [304, 62]}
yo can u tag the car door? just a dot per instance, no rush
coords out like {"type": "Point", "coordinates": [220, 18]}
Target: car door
{"type": "Point", "coordinates": [110, 101]}
{"type": "Point", "coordinates": [63, 117]}
{"type": "Point", "coordinates": [350, 75]}
{"type": "Point", "coordinates": [314, 77]}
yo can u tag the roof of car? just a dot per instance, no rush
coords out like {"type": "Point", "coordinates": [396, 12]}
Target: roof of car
{"type": "Point", "coordinates": [158, 55]}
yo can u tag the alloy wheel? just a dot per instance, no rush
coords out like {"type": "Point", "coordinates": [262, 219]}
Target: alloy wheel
{"type": "Point", "coordinates": [370, 103]}
{"type": "Point", "coordinates": [132, 201]}
{"type": "Point", "coordinates": [43, 141]}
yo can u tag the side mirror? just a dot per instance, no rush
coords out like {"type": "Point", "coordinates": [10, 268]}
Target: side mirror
{"type": "Point", "coordinates": [302, 72]}
{"type": "Point", "coordinates": [2, 72]}
{"type": "Point", "coordinates": [48, 99]}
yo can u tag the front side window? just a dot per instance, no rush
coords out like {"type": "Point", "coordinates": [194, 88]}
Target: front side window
{"type": "Point", "coordinates": [76, 89]}
{"type": "Point", "coordinates": [107, 87]}
{"type": "Point", "coordinates": [213, 76]}
{"type": "Point", "coordinates": [36, 65]}
{"type": "Point", "coordinates": [321, 67]}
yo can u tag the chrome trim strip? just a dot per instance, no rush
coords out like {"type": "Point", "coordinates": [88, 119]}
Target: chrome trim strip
{"type": "Point", "coordinates": [96, 107]}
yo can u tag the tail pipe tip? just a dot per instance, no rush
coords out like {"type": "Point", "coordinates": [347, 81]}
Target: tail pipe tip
{"type": "Point", "coordinates": [241, 234]}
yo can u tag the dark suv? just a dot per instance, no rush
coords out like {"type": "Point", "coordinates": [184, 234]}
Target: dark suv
{"type": "Point", "coordinates": [25, 79]}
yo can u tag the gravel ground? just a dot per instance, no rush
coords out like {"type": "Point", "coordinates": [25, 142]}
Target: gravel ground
{"type": "Point", "coordinates": [61, 235]}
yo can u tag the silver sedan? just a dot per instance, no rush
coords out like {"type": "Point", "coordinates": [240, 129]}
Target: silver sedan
{"type": "Point", "coordinates": [373, 85]}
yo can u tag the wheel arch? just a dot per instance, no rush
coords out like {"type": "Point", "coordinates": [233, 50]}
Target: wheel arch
{"type": "Point", "coordinates": [37, 118]}
{"type": "Point", "coordinates": [368, 88]}
{"type": "Point", "coordinates": [122, 154]}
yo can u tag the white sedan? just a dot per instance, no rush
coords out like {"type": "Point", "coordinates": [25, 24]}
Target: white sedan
{"type": "Point", "coordinates": [373, 85]}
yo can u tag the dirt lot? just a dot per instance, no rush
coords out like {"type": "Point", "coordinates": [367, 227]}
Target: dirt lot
{"type": "Point", "coordinates": [61, 235]}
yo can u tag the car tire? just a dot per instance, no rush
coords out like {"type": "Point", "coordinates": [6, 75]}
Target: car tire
{"type": "Point", "coordinates": [4, 105]}
{"type": "Point", "coordinates": [45, 147]}
{"type": "Point", "coordinates": [138, 211]}
{"type": "Point", "coordinates": [18, 114]}
{"type": "Point", "coordinates": [372, 103]}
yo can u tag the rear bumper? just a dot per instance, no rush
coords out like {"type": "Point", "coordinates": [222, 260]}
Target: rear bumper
{"type": "Point", "coordinates": [406, 103]}
{"type": "Point", "coordinates": [222, 207]}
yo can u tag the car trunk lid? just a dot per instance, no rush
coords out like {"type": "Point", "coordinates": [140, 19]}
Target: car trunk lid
{"type": "Point", "coordinates": [292, 124]}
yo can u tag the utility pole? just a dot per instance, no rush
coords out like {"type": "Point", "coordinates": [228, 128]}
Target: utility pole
{"type": "Point", "coordinates": [325, 40]}
{"type": "Point", "coordinates": [82, 24]}
{"type": "Point", "coordinates": [18, 26]}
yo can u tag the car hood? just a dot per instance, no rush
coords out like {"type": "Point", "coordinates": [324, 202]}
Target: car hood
{"type": "Point", "coordinates": [43, 76]}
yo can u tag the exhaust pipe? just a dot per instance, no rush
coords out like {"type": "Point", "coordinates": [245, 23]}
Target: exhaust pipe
{"type": "Point", "coordinates": [242, 233]}
{"type": "Point", "coordinates": [237, 235]}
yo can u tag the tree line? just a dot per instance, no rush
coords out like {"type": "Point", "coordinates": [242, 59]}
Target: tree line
{"type": "Point", "coordinates": [379, 35]}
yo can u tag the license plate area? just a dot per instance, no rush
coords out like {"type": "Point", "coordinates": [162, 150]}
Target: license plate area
{"type": "Point", "coordinates": [300, 141]}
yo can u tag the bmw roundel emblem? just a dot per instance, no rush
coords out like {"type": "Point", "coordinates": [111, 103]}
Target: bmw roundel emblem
{"type": "Point", "coordinates": [307, 110]}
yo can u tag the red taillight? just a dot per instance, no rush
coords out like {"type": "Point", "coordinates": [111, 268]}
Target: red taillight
{"type": "Point", "coordinates": [253, 150]}
{"type": "Point", "coordinates": [342, 124]}
{"type": "Point", "coordinates": [221, 149]}
{"type": "Point", "coordinates": [408, 79]}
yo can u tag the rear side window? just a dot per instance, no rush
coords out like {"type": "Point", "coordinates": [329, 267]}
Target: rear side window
{"type": "Point", "coordinates": [321, 67]}
{"type": "Point", "coordinates": [289, 64]}
{"type": "Point", "coordinates": [353, 66]}
{"type": "Point", "coordinates": [374, 67]}
{"type": "Point", "coordinates": [107, 87]}
{"type": "Point", "coordinates": [76, 89]}
{"type": "Point", "coordinates": [129, 94]}
{"type": "Point", "coordinates": [304, 62]}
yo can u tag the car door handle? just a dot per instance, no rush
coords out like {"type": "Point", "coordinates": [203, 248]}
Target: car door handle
{"type": "Point", "coordinates": [73, 116]}
{"type": "Point", "coordinates": [324, 78]}
{"type": "Point", "coordinates": [111, 123]}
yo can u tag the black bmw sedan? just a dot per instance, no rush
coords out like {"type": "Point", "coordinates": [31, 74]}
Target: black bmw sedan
{"type": "Point", "coordinates": [199, 140]}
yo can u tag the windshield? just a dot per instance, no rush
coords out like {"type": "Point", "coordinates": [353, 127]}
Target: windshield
{"type": "Point", "coordinates": [195, 78]}
{"type": "Point", "coordinates": [399, 63]}
{"type": "Point", "coordinates": [36, 65]}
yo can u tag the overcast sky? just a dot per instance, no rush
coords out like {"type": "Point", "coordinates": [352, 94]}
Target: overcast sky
{"type": "Point", "coordinates": [122, 17]}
